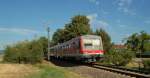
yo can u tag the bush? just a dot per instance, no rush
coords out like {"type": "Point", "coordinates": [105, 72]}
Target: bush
{"type": "Point", "coordinates": [146, 64]}
{"type": "Point", "coordinates": [118, 57]}
{"type": "Point", "coordinates": [24, 52]}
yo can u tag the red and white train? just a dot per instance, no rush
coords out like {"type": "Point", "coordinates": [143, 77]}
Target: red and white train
{"type": "Point", "coordinates": [87, 48]}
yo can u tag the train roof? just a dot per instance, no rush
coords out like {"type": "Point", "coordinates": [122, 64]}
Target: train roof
{"type": "Point", "coordinates": [90, 36]}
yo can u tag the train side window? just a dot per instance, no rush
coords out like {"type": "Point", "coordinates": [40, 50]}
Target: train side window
{"type": "Point", "coordinates": [60, 47]}
{"type": "Point", "coordinates": [78, 44]}
{"type": "Point", "coordinates": [73, 43]}
{"type": "Point", "coordinates": [67, 46]}
{"type": "Point", "coordinates": [63, 47]}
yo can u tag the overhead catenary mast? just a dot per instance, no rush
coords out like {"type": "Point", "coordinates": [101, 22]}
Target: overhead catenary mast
{"type": "Point", "coordinates": [48, 42]}
{"type": "Point", "coordinates": [48, 35]}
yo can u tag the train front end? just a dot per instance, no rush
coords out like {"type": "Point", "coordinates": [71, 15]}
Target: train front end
{"type": "Point", "coordinates": [91, 48]}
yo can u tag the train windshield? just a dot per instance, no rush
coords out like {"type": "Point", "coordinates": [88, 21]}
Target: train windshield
{"type": "Point", "coordinates": [92, 44]}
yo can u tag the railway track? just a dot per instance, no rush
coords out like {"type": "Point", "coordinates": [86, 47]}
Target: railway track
{"type": "Point", "coordinates": [120, 71]}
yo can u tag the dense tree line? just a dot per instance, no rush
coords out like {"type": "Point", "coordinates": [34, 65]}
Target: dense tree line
{"type": "Point", "coordinates": [26, 51]}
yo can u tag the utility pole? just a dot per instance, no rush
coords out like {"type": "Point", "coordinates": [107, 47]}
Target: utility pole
{"type": "Point", "coordinates": [48, 35]}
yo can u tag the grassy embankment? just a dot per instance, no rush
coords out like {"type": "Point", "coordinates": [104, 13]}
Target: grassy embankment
{"type": "Point", "coordinates": [1, 57]}
{"type": "Point", "coordinates": [44, 70]}
{"type": "Point", "coordinates": [48, 70]}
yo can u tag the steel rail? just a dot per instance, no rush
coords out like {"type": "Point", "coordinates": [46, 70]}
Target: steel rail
{"type": "Point", "coordinates": [124, 72]}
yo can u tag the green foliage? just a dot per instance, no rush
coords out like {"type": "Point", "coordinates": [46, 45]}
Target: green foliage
{"type": "Point", "coordinates": [147, 64]}
{"type": "Point", "coordinates": [144, 37]}
{"type": "Point", "coordinates": [58, 36]}
{"type": "Point", "coordinates": [138, 42]}
{"type": "Point", "coordinates": [118, 57]}
{"type": "Point", "coordinates": [78, 26]}
{"type": "Point", "coordinates": [48, 71]}
{"type": "Point", "coordinates": [133, 42]}
{"type": "Point", "coordinates": [106, 39]}
{"type": "Point", "coordinates": [147, 46]}
{"type": "Point", "coordinates": [26, 51]}
{"type": "Point", "coordinates": [44, 43]}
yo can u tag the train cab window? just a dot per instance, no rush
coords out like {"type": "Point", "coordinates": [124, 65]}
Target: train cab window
{"type": "Point", "coordinates": [88, 45]}
{"type": "Point", "coordinates": [92, 44]}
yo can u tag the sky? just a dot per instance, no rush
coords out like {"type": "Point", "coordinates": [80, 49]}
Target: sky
{"type": "Point", "coordinates": [27, 19]}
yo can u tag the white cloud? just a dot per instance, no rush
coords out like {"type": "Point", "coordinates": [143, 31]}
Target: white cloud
{"type": "Point", "coordinates": [18, 30]}
{"type": "Point", "coordinates": [124, 6]}
{"type": "Point", "coordinates": [96, 2]}
{"type": "Point", "coordinates": [103, 23]}
{"type": "Point", "coordinates": [97, 23]}
{"type": "Point", "coordinates": [92, 16]}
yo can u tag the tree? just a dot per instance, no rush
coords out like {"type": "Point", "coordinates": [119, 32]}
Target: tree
{"type": "Point", "coordinates": [78, 26]}
{"type": "Point", "coordinates": [133, 42]}
{"type": "Point", "coordinates": [144, 37]}
{"type": "Point", "coordinates": [106, 39]}
{"type": "Point", "coordinates": [35, 52]}
{"type": "Point", "coordinates": [138, 42]}
{"type": "Point", "coordinates": [147, 45]}
{"type": "Point", "coordinates": [58, 36]}
{"type": "Point", "coordinates": [8, 54]}
{"type": "Point", "coordinates": [44, 43]}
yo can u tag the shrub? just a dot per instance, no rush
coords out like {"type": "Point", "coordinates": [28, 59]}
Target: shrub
{"type": "Point", "coordinates": [146, 64]}
{"type": "Point", "coordinates": [24, 52]}
{"type": "Point", "coordinates": [118, 57]}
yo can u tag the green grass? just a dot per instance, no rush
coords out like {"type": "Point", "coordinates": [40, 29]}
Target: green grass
{"type": "Point", "coordinates": [47, 71]}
